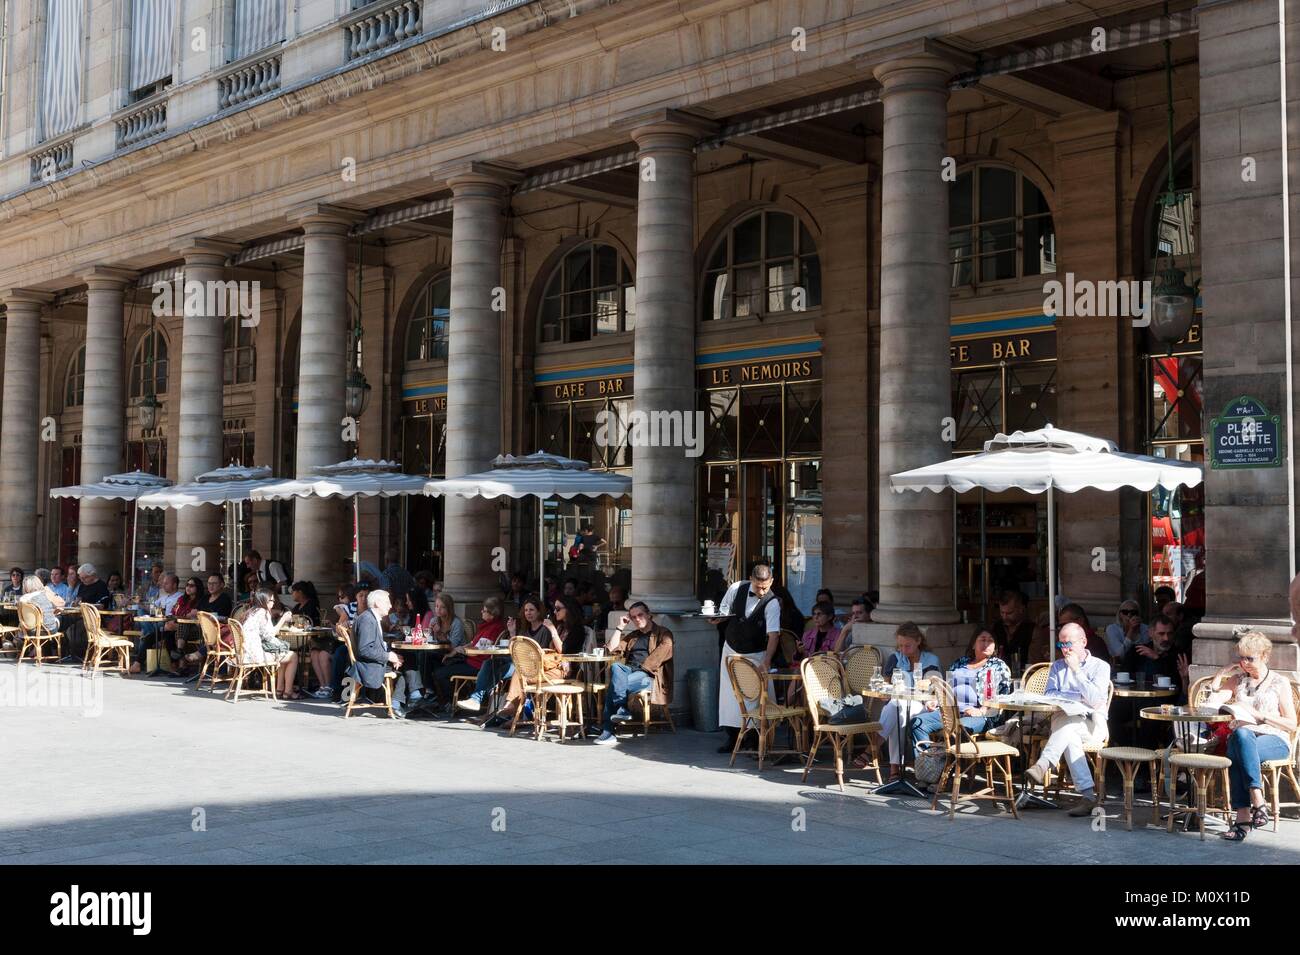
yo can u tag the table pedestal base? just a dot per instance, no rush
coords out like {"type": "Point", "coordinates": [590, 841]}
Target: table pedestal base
{"type": "Point", "coordinates": [901, 787]}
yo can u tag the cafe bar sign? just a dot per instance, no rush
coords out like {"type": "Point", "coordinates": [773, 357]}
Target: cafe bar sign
{"type": "Point", "coordinates": [1245, 436]}
{"type": "Point", "coordinates": [993, 349]}
{"type": "Point", "coordinates": [609, 386]}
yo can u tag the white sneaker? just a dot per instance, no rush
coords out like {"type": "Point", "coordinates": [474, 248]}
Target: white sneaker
{"type": "Point", "coordinates": [605, 739]}
{"type": "Point", "coordinates": [470, 704]}
{"type": "Point", "coordinates": [414, 697]}
{"type": "Point", "coordinates": [324, 693]}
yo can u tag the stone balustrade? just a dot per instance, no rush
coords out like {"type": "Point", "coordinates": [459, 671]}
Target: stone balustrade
{"type": "Point", "coordinates": [51, 161]}
{"type": "Point", "coordinates": [141, 124]}
{"type": "Point", "coordinates": [248, 82]}
{"type": "Point", "coordinates": [386, 26]}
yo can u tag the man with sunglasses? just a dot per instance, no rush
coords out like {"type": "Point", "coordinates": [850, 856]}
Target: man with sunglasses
{"type": "Point", "coordinates": [1084, 678]}
{"type": "Point", "coordinates": [647, 665]}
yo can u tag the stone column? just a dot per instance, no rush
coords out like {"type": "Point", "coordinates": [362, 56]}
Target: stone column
{"type": "Point", "coordinates": [664, 537]}
{"type": "Point", "coordinates": [20, 427]}
{"type": "Point", "coordinates": [1098, 360]}
{"type": "Point", "coordinates": [1243, 286]}
{"type": "Point", "coordinates": [847, 456]}
{"type": "Point", "coordinates": [322, 539]}
{"type": "Point", "coordinates": [103, 418]}
{"type": "Point", "coordinates": [915, 374]}
{"type": "Point", "coordinates": [474, 387]}
{"type": "Point", "coordinates": [199, 439]}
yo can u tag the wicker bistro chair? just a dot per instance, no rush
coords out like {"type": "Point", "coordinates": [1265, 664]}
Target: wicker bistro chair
{"type": "Point", "coordinates": [356, 700]}
{"type": "Point", "coordinates": [824, 678]}
{"type": "Point", "coordinates": [219, 657]}
{"type": "Point", "coordinates": [101, 646]}
{"type": "Point", "coordinates": [1204, 769]}
{"type": "Point", "coordinates": [266, 669]}
{"type": "Point", "coordinates": [647, 713]}
{"type": "Point", "coordinates": [963, 752]}
{"type": "Point", "coordinates": [32, 633]}
{"type": "Point", "coordinates": [750, 684]}
{"type": "Point", "coordinates": [1273, 771]}
{"type": "Point", "coordinates": [531, 666]}
{"type": "Point", "coordinates": [860, 664]}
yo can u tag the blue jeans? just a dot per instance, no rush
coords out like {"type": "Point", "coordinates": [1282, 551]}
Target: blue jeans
{"type": "Point", "coordinates": [1247, 750]}
{"type": "Point", "coordinates": [923, 724]}
{"type": "Point", "coordinates": [491, 673]}
{"type": "Point", "coordinates": [623, 681]}
{"type": "Point", "coordinates": [339, 668]}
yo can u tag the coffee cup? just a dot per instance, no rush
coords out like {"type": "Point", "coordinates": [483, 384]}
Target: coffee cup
{"type": "Point", "coordinates": [1164, 681]}
{"type": "Point", "coordinates": [1123, 678]}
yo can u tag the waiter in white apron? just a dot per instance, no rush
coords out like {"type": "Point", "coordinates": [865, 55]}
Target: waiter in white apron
{"type": "Point", "coordinates": [751, 630]}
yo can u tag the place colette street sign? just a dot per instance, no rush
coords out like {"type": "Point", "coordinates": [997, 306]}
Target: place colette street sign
{"type": "Point", "coordinates": [1245, 436]}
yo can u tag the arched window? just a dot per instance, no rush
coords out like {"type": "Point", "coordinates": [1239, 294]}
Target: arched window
{"type": "Point", "coordinates": [149, 366]}
{"type": "Point", "coordinates": [74, 389]}
{"type": "Point", "coordinates": [766, 264]}
{"type": "Point", "coordinates": [999, 227]}
{"type": "Point", "coordinates": [426, 336]}
{"type": "Point", "coordinates": [240, 355]}
{"type": "Point", "coordinates": [590, 293]}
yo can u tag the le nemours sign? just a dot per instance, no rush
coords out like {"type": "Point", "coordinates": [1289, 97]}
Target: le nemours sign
{"type": "Point", "coordinates": [1245, 436]}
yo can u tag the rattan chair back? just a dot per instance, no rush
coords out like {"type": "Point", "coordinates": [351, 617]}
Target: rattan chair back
{"type": "Point", "coordinates": [210, 629]}
{"type": "Point", "coordinates": [947, 707]}
{"type": "Point", "coordinates": [237, 638]}
{"type": "Point", "coordinates": [344, 635]}
{"type": "Point", "coordinates": [789, 646]}
{"type": "Point", "coordinates": [1199, 691]}
{"type": "Point", "coordinates": [31, 619]}
{"type": "Point", "coordinates": [526, 654]}
{"type": "Point", "coordinates": [90, 618]}
{"type": "Point", "coordinates": [746, 681]}
{"type": "Point", "coordinates": [823, 679]}
{"type": "Point", "coordinates": [1035, 678]}
{"type": "Point", "coordinates": [859, 664]}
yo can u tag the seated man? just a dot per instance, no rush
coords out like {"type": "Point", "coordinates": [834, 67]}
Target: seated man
{"type": "Point", "coordinates": [374, 659]}
{"type": "Point", "coordinates": [168, 597]}
{"type": "Point", "coordinates": [1084, 678]}
{"type": "Point", "coordinates": [647, 665]}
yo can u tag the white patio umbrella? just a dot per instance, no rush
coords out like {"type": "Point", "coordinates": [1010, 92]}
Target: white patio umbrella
{"type": "Point", "coordinates": [128, 486]}
{"type": "Point", "coordinates": [541, 476]}
{"type": "Point", "coordinates": [1049, 460]}
{"type": "Point", "coordinates": [356, 479]}
{"type": "Point", "coordinates": [225, 486]}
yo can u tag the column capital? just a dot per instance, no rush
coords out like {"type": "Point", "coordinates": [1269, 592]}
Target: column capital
{"type": "Point", "coordinates": [196, 250]}
{"type": "Point", "coordinates": [668, 128]}
{"type": "Point", "coordinates": [479, 178]}
{"type": "Point", "coordinates": [323, 218]}
{"type": "Point", "coordinates": [108, 277]}
{"type": "Point", "coordinates": [29, 298]}
{"type": "Point", "coordinates": [918, 63]}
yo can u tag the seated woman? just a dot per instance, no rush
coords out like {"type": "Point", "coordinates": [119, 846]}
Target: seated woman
{"type": "Point", "coordinates": [1262, 701]}
{"type": "Point", "coordinates": [562, 632]}
{"type": "Point", "coordinates": [1127, 632]}
{"type": "Point", "coordinates": [184, 609]}
{"type": "Point", "coordinates": [503, 668]}
{"type": "Point", "coordinates": [115, 584]}
{"type": "Point", "coordinates": [321, 647]}
{"type": "Point", "coordinates": [491, 628]}
{"type": "Point", "coordinates": [258, 626]}
{"type": "Point", "coordinates": [912, 659]}
{"type": "Point", "coordinates": [439, 625]}
{"type": "Point", "coordinates": [824, 636]}
{"type": "Point", "coordinates": [32, 591]}
{"type": "Point", "coordinates": [976, 677]}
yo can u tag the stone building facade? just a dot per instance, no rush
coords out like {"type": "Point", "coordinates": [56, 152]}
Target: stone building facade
{"type": "Point", "coordinates": [510, 217]}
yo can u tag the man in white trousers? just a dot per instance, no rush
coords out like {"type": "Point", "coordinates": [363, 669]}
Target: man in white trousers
{"type": "Point", "coordinates": [752, 630]}
{"type": "Point", "coordinates": [1084, 678]}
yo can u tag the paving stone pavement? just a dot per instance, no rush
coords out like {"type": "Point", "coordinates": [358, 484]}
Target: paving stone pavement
{"type": "Point", "coordinates": [166, 774]}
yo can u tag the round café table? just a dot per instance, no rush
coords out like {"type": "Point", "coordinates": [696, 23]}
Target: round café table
{"type": "Point", "coordinates": [904, 694]}
{"type": "Point", "coordinates": [1184, 719]}
{"type": "Point", "coordinates": [494, 697]}
{"type": "Point", "coordinates": [584, 660]}
{"type": "Point", "coordinates": [1135, 694]}
{"type": "Point", "coordinates": [1010, 704]}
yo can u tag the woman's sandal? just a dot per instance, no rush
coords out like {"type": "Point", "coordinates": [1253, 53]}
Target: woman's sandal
{"type": "Point", "coordinates": [1259, 818]}
{"type": "Point", "coordinates": [1237, 833]}
{"type": "Point", "coordinates": [862, 760]}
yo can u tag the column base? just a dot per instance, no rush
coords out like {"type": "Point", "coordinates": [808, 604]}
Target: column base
{"type": "Point", "coordinates": [919, 614]}
{"type": "Point", "coordinates": [666, 603]}
{"type": "Point", "coordinates": [947, 641]}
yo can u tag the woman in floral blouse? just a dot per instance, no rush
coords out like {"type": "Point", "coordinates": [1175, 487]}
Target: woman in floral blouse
{"type": "Point", "coordinates": [975, 678]}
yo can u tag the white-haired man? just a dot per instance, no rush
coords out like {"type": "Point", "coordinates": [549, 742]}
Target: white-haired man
{"type": "Point", "coordinates": [374, 659]}
{"type": "Point", "coordinates": [1083, 678]}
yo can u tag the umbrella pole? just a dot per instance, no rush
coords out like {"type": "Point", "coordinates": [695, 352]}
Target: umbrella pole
{"type": "Point", "coordinates": [135, 528]}
{"type": "Point", "coordinates": [541, 549]}
{"type": "Point", "coordinates": [1051, 572]}
{"type": "Point", "coordinates": [356, 540]}
{"type": "Point", "coordinates": [984, 563]}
